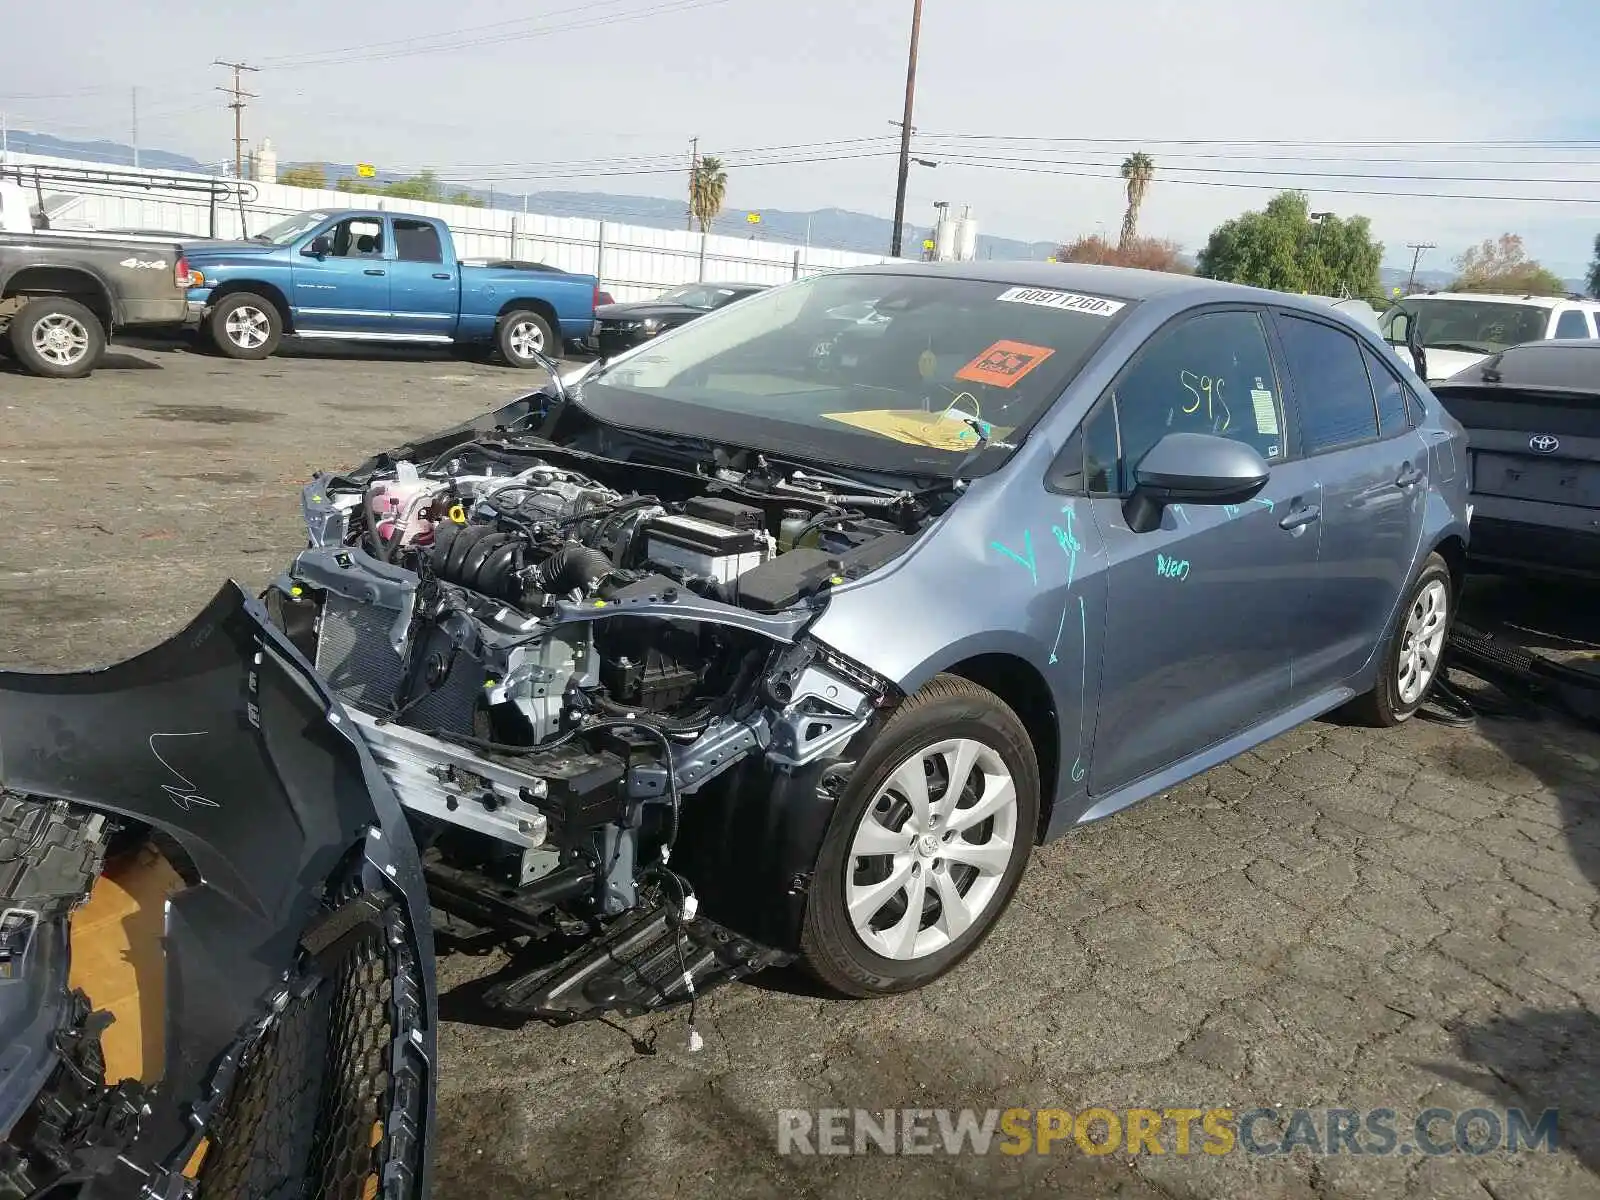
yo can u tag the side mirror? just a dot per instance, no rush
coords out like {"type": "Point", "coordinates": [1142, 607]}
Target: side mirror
{"type": "Point", "coordinates": [320, 247]}
{"type": "Point", "coordinates": [1192, 468]}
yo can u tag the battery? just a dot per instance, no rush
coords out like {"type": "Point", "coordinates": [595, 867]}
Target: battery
{"type": "Point", "coordinates": [703, 548]}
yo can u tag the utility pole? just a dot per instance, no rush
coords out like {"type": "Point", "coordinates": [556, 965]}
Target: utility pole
{"type": "Point", "coordinates": [905, 130]}
{"type": "Point", "coordinates": [136, 128]}
{"type": "Point", "coordinates": [239, 97]}
{"type": "Point", "coordinates": [1416, 249]}
{"type": "Point", "coordinates": [694, 171]}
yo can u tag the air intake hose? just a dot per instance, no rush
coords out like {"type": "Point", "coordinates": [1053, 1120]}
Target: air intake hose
{"type": "Point", "coordinates": [574, 566]}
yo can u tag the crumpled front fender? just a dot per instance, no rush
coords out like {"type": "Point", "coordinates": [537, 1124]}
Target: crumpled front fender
{"type": "Point", "coordinates": [226, 744]}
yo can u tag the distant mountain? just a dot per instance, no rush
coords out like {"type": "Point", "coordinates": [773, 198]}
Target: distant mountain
{"type": "Point", "coordinates": [117, 154]}
{"type": "Point", "coordinates": [833, 228]}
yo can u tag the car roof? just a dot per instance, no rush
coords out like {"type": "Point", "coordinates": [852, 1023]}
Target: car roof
{"type": "Point", "coordinates": [740, 285]}
{"type": "Point", "coordinates": [1118, 283]}
{"type": "Point", "coordinates": [1557, 365]}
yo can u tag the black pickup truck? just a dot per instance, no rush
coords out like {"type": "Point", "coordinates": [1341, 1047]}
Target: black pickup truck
{"type": "Point", "coordinates": [63, 294]}
{"type": "Point", "coordinates": [1532, 415]}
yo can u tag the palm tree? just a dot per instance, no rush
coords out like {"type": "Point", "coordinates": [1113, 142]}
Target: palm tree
{"type": "Point", "coordinates": [1138, 169]}
{"type": "Point", "coordinates": [706, 190]}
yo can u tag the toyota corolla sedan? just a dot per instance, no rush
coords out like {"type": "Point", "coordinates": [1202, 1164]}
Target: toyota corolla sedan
{"type": "Point", "coordinates": [781, 636]}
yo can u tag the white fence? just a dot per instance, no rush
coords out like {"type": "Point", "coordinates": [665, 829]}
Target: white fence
{"type": "Point", "coordinates": [633, 262]}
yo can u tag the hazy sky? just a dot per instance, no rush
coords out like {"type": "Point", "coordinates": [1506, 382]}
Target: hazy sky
{"type": "Point", "coordinates": [605, 95]}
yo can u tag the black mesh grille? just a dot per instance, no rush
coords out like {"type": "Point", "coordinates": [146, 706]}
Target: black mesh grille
{"type": "Point", "coordinates": [321, 1109]}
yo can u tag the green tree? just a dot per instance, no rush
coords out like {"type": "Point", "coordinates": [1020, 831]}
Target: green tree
{"type": "Point", "coordinates": [1138, 169]}
{"type": "Point", "coordinates": [1502, 265]}
{"type": "Point", "coordinates": [465, 199]}
{"type": "Point", "coordinates": [1594, 269]}
{"type": "Point", "coordinates": [1282, 248]}
{"type": "Point", "coordinates": [708, 187]}
{"type": "Point", "coordinates": [306, 175]}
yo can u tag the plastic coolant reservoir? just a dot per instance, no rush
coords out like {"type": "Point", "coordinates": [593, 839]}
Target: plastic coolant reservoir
{"type": "Point", "coordinates": [393, 504]}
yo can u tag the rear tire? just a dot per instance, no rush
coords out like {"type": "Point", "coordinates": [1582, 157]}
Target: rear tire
{"type": "Point", "coordinates": [1414, 652]}
{"type": "Point", "coordinates": [523, 329]}
{"type": "Point", "coordinates": [245, 326]}
{"type": "Point", "coordinates": [861, 934]}
{"type": "Point", "coordinates": [57, 338]}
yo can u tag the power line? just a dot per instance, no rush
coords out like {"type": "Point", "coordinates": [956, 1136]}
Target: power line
{"type": "Point", "coordinates": [239, 96]}
{"type": "Point", "coordinates": [1120, 144]}
{"type": "Point", "coordinates": [1272, 173]}
{"type": "Point", "coordinates": [590, 20]}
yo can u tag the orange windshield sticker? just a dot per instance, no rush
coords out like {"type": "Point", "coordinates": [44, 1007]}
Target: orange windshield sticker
{"type": "Point", "coordinates": [1003, 363]}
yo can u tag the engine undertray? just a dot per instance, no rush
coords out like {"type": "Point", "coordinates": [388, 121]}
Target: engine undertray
{"type": "Point", "coordinates": [634, 968]}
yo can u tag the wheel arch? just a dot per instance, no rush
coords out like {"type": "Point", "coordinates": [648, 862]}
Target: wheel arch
{"type": "Point", "coordinates": [267, 291]}
{"type": "Point", "coordinates": [72, 283]}
{"type": "Point", "coordinates": [533, 304]}
{"type": "Point", "coordinates": [1018, 682]}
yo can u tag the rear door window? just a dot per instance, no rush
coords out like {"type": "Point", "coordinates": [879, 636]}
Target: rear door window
{"type": "Point", "coordinates": [417, 241]}
{"type": "Point", "coordinates": [1336, 402]}
{"type": "Point", "coordinates": [1573, 323]}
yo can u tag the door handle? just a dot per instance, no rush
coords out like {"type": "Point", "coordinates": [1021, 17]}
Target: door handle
{"type": "Point", "coordinates": [441, 274]}
{"type": "Point", "coordinates": [1301, 517]}
{"type": "Point", "coordinates": [1409, 476]}
{"type": "Point", "coordinates": [372, 271]}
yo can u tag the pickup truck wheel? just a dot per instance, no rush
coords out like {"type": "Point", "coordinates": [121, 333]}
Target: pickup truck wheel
{"type": "Point", "coordinates": [521, 334]}
{"type": "Point", "coordinates": [57, 338]}
{"type": "Point", "coordinates": [245, 325]}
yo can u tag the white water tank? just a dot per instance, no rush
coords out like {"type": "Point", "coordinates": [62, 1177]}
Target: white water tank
{"type": "Point", "coordinates": [966, 248]}
{"type": "Point", "coordinates": [944, 237]}
{"type": "Point", "coordinates": [264, 162]}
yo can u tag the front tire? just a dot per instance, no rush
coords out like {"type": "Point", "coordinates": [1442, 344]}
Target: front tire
{"type": "Point", "coordinates": [57, 338]}
{"type": "Point", "coordinates": [522, 331]}
{"type": "Point", "coordinates": [927, 845]}
{"type": "Point", "coordinates": [1413, 655]}
{"type": "Point", "coordinates": [245, 326]}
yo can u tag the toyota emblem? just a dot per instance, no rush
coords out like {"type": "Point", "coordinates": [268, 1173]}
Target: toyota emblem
{"type": "Point", "coordinates": [1543, 443]}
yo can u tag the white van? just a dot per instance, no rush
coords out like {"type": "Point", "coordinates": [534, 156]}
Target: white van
{"type": "Point", "coordinates": [1458, 329]}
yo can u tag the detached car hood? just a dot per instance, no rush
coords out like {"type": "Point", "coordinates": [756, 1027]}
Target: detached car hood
{"type": "Point", "coordinates": [299, 961]}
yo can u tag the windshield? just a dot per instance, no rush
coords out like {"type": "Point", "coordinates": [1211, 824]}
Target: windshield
{"type": "Point", "coordinates": [883, 371]}
{"type": "Point", "coordinates": [697, 295]}
{"type": "Point", "coordinates": [286, 230]}
{"type": "Point", "coordinates": [1480, 326]}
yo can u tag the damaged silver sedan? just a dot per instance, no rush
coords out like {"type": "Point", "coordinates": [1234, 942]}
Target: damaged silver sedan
{"type": "Point", "coordinates": [785, 636]}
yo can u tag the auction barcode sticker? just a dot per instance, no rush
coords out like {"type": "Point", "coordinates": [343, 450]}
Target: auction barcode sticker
{"type": "Point", "coordinates": [1066, 301]}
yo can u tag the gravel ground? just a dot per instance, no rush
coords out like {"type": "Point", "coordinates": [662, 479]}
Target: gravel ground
{"type": "Point", "coordinates": [1341, 919]}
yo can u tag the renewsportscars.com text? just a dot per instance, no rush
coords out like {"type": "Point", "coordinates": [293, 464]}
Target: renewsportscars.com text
{"type": "Point", "coordinates": [1263, 1132]}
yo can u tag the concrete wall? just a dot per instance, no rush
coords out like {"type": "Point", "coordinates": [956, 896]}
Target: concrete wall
{"type": "Point", "coordinates": [634, 262]}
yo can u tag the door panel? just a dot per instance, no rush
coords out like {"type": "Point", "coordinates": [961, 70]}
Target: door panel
{"type": "Point", "coordinates": [1371, 527]}
{"type": "Point", "coordinates": [1373, 472]}
{"type": "Point", "coordinates": [348, 290]}
{"type": "Point", "coordinates": [424, 288]}
{"type": "Point", "coordinates": [1203, 621]}
{"type": "Point", "coordinates": [1202, 612]}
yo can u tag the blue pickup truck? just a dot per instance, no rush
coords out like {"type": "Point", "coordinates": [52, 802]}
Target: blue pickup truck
{"type": "Point", "coordinates": [362, 276]}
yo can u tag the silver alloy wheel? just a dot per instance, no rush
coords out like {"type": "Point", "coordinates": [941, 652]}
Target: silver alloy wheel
{"type": "Point", "coordinates": [1423, 641]}
{"type": "Point", "coordinates": [247, 327]}
{"type": "Point", "coordinates": [931, 849]}
{"type": "Point", "coordinates": [527, 339]}
{"type": "Point", "coordinates": [60, 339]}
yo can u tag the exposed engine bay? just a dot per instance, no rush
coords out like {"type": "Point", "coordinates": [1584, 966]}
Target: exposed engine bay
{"type": "Point", "coordinates": [553, 651]}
